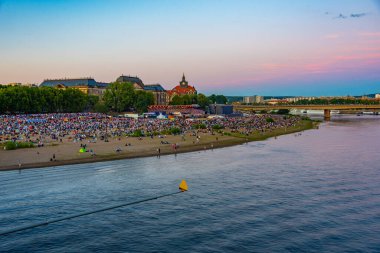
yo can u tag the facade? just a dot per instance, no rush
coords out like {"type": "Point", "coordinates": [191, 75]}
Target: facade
{"type": "Point", "coordinates": [296, 99]}
{"type": "Point", "coordinates": [134, 80]}
{"type": "Point", "coordinates": [85, 85]}
{"type": "Point", "coordinates": [221, 109]}
{"type": "Point", "coordinates": [159, 93]}
{"type": "Point", "coordinates": [182, 89]}
{"type": "Point", "coordinates": [253, 99]}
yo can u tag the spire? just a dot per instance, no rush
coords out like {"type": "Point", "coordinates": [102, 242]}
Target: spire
{"type": "Point", "coordinates": [183, 83]}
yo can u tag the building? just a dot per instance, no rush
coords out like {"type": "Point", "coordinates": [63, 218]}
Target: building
{"type": "Point", "coordinates": [86, 85]}
{"type": "Point", "coordinates": [159, 93]}
{"type": "Point", "coordinates": [134, 80]}
{"type": "Point", "coordinates": [182, 89]}
{"type": "Point", "coordinates": [275, 101]}
{"type": "Point", "coordinates": [253, 99]}
{"type": "Point", "coordinates": [221, 109]}
{"type": "Point", "coordinates": [377, 96]}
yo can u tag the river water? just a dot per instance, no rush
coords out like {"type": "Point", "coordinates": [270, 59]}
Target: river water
{"type": "Point", "coordinates": [314, 192]}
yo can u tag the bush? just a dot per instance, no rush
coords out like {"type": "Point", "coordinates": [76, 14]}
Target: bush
{"type": "Point", "coordinates": [217, 127]}
{"type": "Point", "coordinates": [10, 145]}
{"type": "Point", "coordinates": [200, 126]}
{"type": "Point", "coordinates": [137, 133]}
{"type": "Point", "coordinates": [25, 145]}
{"type": "Point", "coordinates": [269, 120]}
{"type": "Point", "coordinates": [174, 130]}
{"type": "Point", "coordinates": [165, 132]}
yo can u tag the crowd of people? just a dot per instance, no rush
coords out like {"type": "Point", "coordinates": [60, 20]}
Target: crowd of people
{"type": "Point", "coordinates": [44, 128]}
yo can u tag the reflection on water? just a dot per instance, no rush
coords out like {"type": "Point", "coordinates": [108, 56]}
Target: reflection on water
{"type": "Point", "coordinates": [318, 191]}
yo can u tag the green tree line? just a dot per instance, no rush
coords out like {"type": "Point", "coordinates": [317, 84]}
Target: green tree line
{"type": "Point", "coordinates": [118, 97]}
{"type": "Point", "coordinates": [19, 99]}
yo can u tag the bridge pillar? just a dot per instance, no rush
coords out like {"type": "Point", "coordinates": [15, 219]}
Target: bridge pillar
{"type": "Point", "coordinates": [327, 114]}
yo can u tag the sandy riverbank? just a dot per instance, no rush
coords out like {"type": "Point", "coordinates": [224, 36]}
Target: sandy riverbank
{"type": "Point", "coordinates": [67, 152]}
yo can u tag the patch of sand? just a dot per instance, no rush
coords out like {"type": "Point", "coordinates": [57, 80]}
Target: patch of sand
{"type": "Point", "coordinates": [67, 152]}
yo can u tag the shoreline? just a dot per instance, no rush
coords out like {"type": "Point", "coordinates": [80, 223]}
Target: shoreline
{"type": "Point", "coordinates": [235, 139]}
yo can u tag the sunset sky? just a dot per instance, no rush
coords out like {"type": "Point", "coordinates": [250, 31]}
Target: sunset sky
{"type": "Point", "coordinates": [235, 47]}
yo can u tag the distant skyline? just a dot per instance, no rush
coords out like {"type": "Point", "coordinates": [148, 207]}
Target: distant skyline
{"type": "Point", "coordinates": [230, 47]}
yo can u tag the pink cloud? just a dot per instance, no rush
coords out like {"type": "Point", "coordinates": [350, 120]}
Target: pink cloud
{"type": "Point", "coordinates": [370, 34]}
{"type": "Point", "coordinates": [361, 49]}
{"type": "Point", "coordinates": [333, 36]}
{"type": "Point", "coordinates": [358, 56]}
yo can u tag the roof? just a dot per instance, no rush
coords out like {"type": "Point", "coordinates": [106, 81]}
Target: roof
{"type": "Point", "coordinates": [182, 90]}
{"type": "Point", "coordinates": [130, 79]}
{"type": "Point", "coordinates": [154, 87]}
{"type": "Point", "coordinates": [90, 82]}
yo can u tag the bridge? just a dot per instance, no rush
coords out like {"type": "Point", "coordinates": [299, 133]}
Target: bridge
{"type": "Point", "coordinates": [326, 108]}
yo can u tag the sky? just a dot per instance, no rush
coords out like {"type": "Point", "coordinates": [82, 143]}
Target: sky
{"type": "Point", "coordinates": [230, 47]}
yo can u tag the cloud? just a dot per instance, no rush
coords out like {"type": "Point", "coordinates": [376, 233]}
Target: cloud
{"type": "Point", "coordinates": [370, 34]}
{"type": "Point", "coordinates": [332, 36]}
{"type": "Point", "coordinates": [358, 15]}
{"type": "Point", "coordinates": [359, 56]}
{"type": "Point", "coordinates": [352, 15]}
{"type": "Point", "coordinates": [341, 16]}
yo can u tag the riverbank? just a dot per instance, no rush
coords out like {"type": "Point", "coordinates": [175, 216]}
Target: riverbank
{"type": "Point", "coordinates": [67, 152]}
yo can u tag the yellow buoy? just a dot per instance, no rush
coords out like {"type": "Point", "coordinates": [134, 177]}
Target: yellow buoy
{"type": "Point", "coordinates": [183, 186]}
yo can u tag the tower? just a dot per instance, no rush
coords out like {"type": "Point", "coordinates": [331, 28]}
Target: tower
{"type": "Point", "coordinates": [183, 83]}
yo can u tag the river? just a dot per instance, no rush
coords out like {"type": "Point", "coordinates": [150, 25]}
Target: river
{"type": "Point", "coordinates": [318, 191]}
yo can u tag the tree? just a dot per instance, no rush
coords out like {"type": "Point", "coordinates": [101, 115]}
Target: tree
{"type": "Point", "coordinates": [212, 98]}
{"type": "Point", "coordinates": [176, 100]}
{"type": "Point", "coordinates": [101, 107]}
{"type": "Point", "coordinates": [143, 99]}
{"type": "Point", "coordinates": [218, 99]}
{"type": "Point", "coordinates": [91, 102]}
{"type": "Point", "coordinates": [186, 100]}
{"type": "Point", "coordinates": [119, 96]}
{"type": "Point", "coordinates": [203, 101]}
